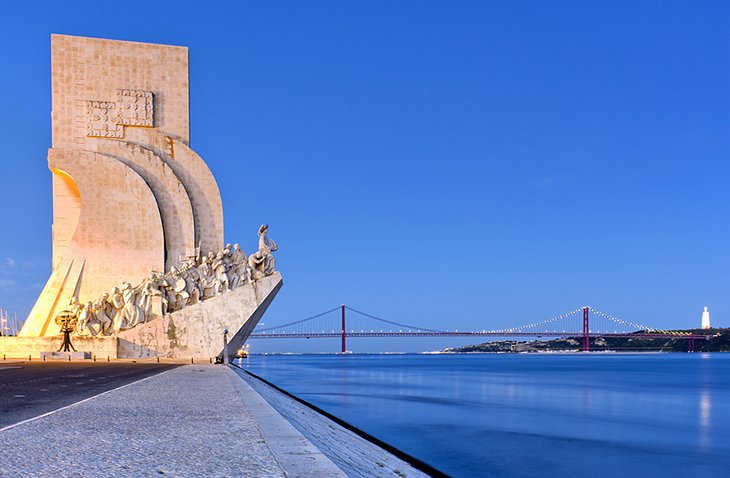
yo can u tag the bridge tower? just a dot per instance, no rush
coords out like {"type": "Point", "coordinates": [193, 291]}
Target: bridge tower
{"type": "Point", "coordinates": [586, 331]}
{"type": "Point", "coordinates": [344, 343]}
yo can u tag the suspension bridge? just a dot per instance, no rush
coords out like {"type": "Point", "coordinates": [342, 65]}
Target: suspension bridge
{"type": "Point", "coordinates": [582, 323]}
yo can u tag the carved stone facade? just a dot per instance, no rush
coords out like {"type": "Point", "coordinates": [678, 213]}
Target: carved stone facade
{"type": "Point", "coordinates": [199, 278]}
{"type": "Point", "coordinates": [101, 120]}
{"type": "Point", "coordinates": [135, 108]}
{"type": "Point", "coordinates": [129, 194]}
{"type": "Point", "coordinates": [106, 119]}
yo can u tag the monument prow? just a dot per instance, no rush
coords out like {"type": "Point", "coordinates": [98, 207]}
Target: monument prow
{"type": "Point", "coordinates": [197, 330]}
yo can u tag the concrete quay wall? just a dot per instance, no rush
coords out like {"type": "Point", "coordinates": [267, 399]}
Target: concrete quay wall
{"type": "Point", "coordinates": [349, 451]}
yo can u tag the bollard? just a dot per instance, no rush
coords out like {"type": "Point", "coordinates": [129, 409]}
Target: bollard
{"type": "Point", "coordinates": [211, 360]}
{"type": "Point", "coordinates": [192, 360]}
{"type": "Point", "coordinates": [44, 358]}
{"type": "Point", "coordinates": [158, 359]}
{"type": "Point", "coordinates": [94, 358]}
{"type": "Point", "coordinates": [29, 358]}
{"type": "Point", "coordinates": [107, 359]}
{"type": "Point", "coordinates": [69, 357]}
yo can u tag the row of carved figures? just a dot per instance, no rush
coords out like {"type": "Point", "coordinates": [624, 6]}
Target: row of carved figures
{"type": "Point", "coordinates": [198, 278]}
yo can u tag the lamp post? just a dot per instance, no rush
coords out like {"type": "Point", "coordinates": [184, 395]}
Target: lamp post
{"type": "Point", "coordinates": [226, 358]}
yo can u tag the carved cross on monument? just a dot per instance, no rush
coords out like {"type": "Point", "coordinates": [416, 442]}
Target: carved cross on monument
{"type": "Point", "coordinates": [107, 119]}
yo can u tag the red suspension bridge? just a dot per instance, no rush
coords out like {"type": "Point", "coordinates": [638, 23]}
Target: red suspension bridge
{"type": "Point", "coordinates": [583, 323]}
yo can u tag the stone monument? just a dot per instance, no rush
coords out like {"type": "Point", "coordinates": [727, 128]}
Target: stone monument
{"type": "Point", "coordinates": [706, 319]}
{"type": "Point", "coordinates": [138, 254]}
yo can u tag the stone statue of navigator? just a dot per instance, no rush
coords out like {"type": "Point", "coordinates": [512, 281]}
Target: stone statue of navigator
{"type": "Point", "coordinates": [131, 306]}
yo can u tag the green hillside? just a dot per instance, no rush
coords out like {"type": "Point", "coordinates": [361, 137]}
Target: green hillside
{"type": "Point", "coordinates": [719, 342]}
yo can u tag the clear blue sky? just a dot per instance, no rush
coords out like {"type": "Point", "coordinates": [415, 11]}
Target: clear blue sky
{"type": "Point", "coordinates": [451, 164]}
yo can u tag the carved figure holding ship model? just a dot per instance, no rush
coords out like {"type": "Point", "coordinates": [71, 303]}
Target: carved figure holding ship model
{"type": "Point", "coordinates": [262, 261]}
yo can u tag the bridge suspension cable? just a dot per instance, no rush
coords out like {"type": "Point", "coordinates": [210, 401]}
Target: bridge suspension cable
{"type": "Point", "coordinates": [296, 322]}
{"type": "Point", "coordinates": [617, 320]}
{"type": "Point", "coordinates": [543, 322]}
{"type": "Point", "coordinates": [411, 327]}
{"type": "Point", "coordinates": [569, 322]}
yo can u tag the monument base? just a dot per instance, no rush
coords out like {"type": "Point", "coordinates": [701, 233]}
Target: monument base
{"type": "Point", "coordinates": [24, 347]}
{"type": "Point", "coordinates": [66, 355]}
{"type": "Point", "coordinates": [194, 332]}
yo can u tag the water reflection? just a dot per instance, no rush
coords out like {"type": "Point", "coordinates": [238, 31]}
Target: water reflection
{"type": "Point", "coordinates": [705, 418]}
{"type": "Point", "coordinates": [522, 415]}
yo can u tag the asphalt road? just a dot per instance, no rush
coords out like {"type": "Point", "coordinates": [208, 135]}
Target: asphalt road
{"type": "Point", "coordinates": [29, 389]}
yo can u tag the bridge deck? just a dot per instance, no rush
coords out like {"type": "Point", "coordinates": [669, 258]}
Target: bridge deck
{"type": "Point", "coordinates": [315, 335]}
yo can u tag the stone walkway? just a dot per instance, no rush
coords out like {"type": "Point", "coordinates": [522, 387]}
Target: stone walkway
{"type": "Point", "coordinates": [189, 421]}
{"type": "Point", "coordinates": [354, 455]}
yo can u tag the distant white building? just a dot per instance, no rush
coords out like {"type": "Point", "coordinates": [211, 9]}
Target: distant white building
{"type": "Point", "coordinates": [706, 319]}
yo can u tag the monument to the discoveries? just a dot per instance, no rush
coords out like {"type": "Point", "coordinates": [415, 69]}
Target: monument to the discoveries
{"type": "Point", "coordinates": [138, 253]}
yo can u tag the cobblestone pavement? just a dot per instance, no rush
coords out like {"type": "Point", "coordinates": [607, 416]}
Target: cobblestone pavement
{"type": "Point", "coordinates": [188, 421]}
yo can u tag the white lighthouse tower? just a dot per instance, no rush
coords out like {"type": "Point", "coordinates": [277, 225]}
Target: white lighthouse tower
{"type": "Point", "coordinates": [706, 319]}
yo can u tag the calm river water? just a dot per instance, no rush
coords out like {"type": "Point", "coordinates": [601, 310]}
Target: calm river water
{"type": "Point", "coordinates": [595, 415]}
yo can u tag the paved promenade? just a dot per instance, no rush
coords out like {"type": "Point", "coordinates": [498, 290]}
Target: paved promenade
{"type": "Point", "coordinates": [354, 455]}
{"type": "Point", "coordinates": [29, 389]}
{"type": "Point", "coordinates": [194, 420]}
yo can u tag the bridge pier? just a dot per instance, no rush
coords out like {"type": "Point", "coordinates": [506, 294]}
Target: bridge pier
{"type": "Point", "coordinates": [691, 345]}
{"type": "Point", "coordinates": [586, 331]}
